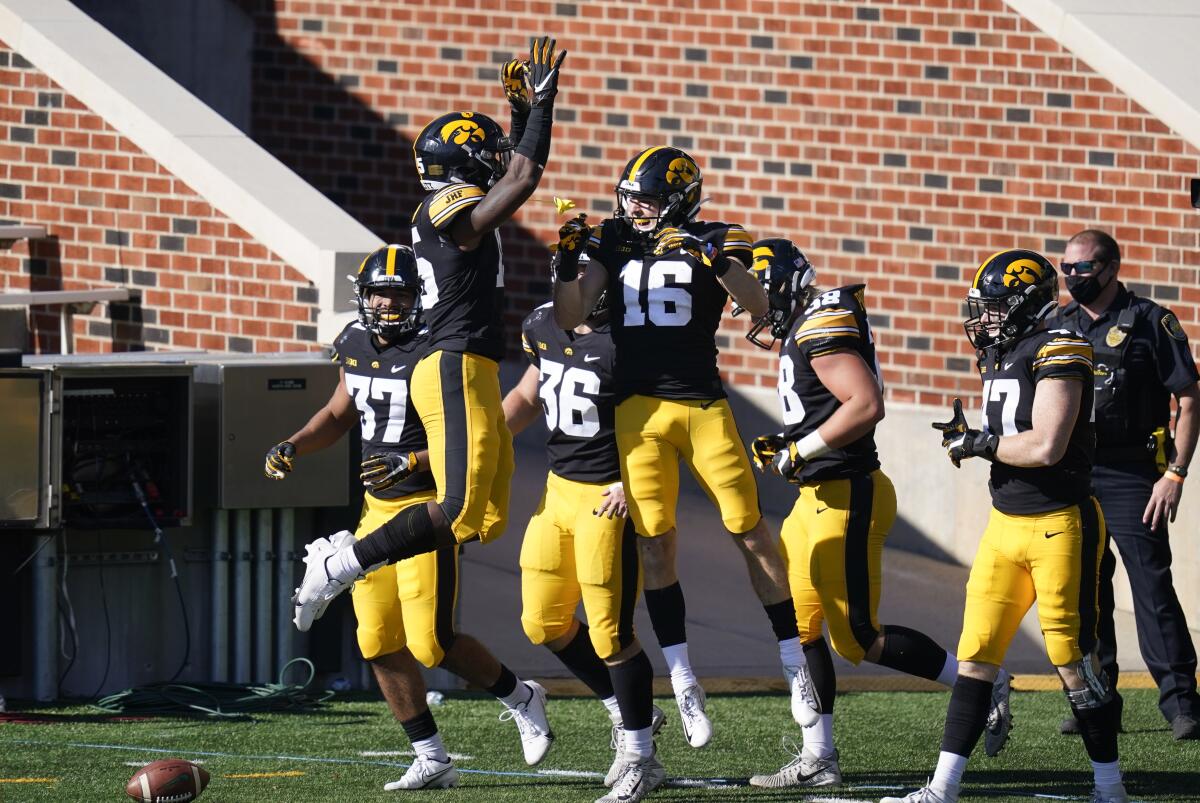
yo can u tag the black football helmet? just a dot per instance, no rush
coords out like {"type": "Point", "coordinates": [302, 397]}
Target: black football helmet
{"type": "Point", "coordinates": [461, 146]}
{"type": "Point", "coordinates": [786, 274]}
{"type": "Point", "coordinates": [1013, 290]}
{"type": "Point", "coordinates": [388, 266]}
{"type": "Point", "coordinates": [667, 175]}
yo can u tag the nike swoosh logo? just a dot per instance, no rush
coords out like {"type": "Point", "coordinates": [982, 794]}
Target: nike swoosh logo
{"type": "Point", "coordinates": [397, 368]}
{"type": "Point", "coordinates": [821, 510]}
{"type": "Point", "coordinates": [1007, 365]}
{"type": "Point", "coordinates": [1051, 535]}
{"type": "Point", "coordinates": [590, 358]}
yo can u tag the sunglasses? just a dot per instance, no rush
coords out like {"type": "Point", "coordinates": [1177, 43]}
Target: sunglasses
{"type": "Point", "coordinates": [1082, 266]}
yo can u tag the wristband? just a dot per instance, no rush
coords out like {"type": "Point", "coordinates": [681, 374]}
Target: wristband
{"type": "Point", "coordinates": [1173, 477]}
{"type": "Point", "coordinates": [811, 445]}
{"type": "Point", "coordinates": [720, 266]}
{"type": "Point", "coordinates": [565, 270]}
{"type": "Point", "coordinates": [535, 141]}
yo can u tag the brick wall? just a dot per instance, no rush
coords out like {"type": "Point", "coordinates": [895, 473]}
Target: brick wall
{"type": "Point", "coordinates": [116, 217]}
{"type": "Point", "coordinates": [899, 142]}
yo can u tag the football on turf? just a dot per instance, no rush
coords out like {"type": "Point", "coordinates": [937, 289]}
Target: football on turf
{"type": "Point", "coordinates": [171, 780]}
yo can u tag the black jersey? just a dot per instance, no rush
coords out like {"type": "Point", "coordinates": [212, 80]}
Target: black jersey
{"type": "Point", "coordinates": [665, 311]}
{"type": "Point", "coordinates": [463, 292]}
{"type": "Point", "coordinates": [836, 320]}
{"type": "Point", "coordinates": [1010, 378]}
{"type": "Point", "coordinates": [377, 381]}
{"type": "Point", "coordinates": [577, 392]}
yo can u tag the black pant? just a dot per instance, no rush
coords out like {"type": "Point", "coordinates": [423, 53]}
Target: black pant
{"type": "Point", "coordinates": [1166, 645]}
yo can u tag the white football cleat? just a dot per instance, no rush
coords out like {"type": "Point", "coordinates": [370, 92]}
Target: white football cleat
{"type": "Point", "coordinates": [1113, 793]}
{"type": "Point", "coordinates": [806, 711]}
{"type": "Point", "coordinates": [999, 721]}
{"type": "Point", "coordinates": [804, 769]}
{"type": "Point", "coordinates": [657, 718]}
{"type": "Point", "coordinates": [317, 588]}
{"type": "Point", "coordinates": [426, 773]}
{"type": "Point", "coordinates": [640, 777]}
{"type": "Point", "coordinates": [925, 795]}
{"type": "Point", "coordinates": [534, 727]}
{"type": "Point", "coordinates": [697, 727]}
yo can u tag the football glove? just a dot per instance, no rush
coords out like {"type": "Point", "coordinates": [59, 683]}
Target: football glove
{"type": "Point", "coordinates": [382, 471]}
{"type": "Point", "coordinates": [512, 78]}
{"type": "Point", "coordinates": [541, 71]}
{"type": "Point", "coordinates": [280, 459]}
{"type": "Point", "coordinates": [788, 462]}
{"type": "Point", "coordinates": [961, 442]}
{"type": "Point", "coordinates": [672, 239]}
{"type": "Point", "coordinates": [764, 448]}
{"type": "Point", "coordinates": [572, 240]}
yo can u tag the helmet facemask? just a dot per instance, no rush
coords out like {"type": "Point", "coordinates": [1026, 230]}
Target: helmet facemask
{"type": "Point", "coordinates": [786, 277]}
{"type": "Point", "coordinates": [1000, 321]}
{"type": "Point", "coordinates": [389, 321]}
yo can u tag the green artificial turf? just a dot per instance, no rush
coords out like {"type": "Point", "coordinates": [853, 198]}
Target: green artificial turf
{"type": "Point", "coordinates": [886, 739]}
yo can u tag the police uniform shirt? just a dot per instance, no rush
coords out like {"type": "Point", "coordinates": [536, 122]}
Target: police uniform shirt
{"type": "Point", "coordinates": [1133, 398]}
{"type": "Point", "coordinates": [835, 320]}
{"type": "Point", "coordinates": [1010, 376]}
{"type": "Point", "coordinates": [377, 380]}
{"type": "Point", "coordinates": [575, 385]}
{"type": "Point", "coordinates": [463, 291]}
{"type": "Point", "coordinates": [666, 310]}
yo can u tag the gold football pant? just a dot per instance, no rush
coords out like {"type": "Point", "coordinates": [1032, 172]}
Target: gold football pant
{"type": "Point", "coordinates": [569, 555]}
{"type": "Point", "coordinates": [470, 446]}
{"type": "Point", "coordinates": [1053, 558]}
{"type": "Point", "coordinates": [653, 434]}
{"type": "Point", "coordinates": [410, 603]}
{"type": "Point", "coordinates": [832, 542]}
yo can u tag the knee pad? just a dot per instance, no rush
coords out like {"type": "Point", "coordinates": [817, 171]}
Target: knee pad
{"type": "Point", "coordinates": [1096, 690]}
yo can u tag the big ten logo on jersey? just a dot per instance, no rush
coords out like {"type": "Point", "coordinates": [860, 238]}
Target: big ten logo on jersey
{"type": "Point", "coordinates": [569, 398]}
{"type": "Point", "coordinates": [393, 397]}
{"type": "Point", "coordinates": [659, 294]}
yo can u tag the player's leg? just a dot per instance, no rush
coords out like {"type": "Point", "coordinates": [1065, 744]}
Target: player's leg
{"type": "Point", "coordinates": [382, 639]}
{"type": "Point", "coordinates": [646, 429]}
{"type": "Point", "coordinates": [550, 589]}
{"type": "Point", "coordinates": [999, 593]}
{"type": "Point", "coordinates": [1066, 571]}
{"type": "Point", "coordinates": [814, 685]}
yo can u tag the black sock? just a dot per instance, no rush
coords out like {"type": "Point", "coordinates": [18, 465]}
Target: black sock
{"type": "Point", "coordinates": [667, 613]}
{"type": "Point", "coordinates": [420, 727]}
{"type": "Point", "coordinates": [1098, 727]}
{"type": "Point", "coordinates": [633, 684]}
{"type": "Point", "coordinates": [505, 685]}
{"type": "Point", "coordinates": [820, 668]}
{"type": "Point", "coordinates": [580, 657]}
{"type": "Point", "coordinates": [911, 652]}
{"type": "Point", "coordinates": [410, 532]}
{"type": "Point", "coordinates": [783, 619]}
{"type": "Point", "coordinates": [967, 715]}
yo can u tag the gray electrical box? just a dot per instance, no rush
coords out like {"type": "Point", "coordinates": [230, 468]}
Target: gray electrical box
{"type": "Point", "coordinates": [245, 405]}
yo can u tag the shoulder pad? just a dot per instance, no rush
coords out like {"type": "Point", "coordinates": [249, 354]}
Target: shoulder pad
{"type": "Point", "coordinates": [445, 204]}
{"type": "Point", "coordinates": [1061, 347]}
{"type": "Point", "coordinates": [738, 242]}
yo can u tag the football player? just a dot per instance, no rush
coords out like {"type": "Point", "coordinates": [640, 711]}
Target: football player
{"type": "Point", "coordinates": [668, 276]}
{"type": "Point", "coordinates": [476, 182]}
{"type": "Point", "coordinates": [405, 611]}
{"type": "Point", "coordinates": [1046, 533]}
{"type": "Point", "coordinates": [580, 545]}
{"type": "Point", "coordinates": [832, 398]}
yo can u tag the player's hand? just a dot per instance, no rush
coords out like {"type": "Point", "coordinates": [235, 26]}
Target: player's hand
{"type": "Point", "coordinates": [961, 442]}
{"type": "Point", "coordinates": [671, 239]}
{"type": "Point", "coordinates": [788, 462]}
{"type": "Point", "coordinates": [764, 448]}
{"type": "Point", "coordinates": [614, 502]}
{"type": "Point", "coordinates": [572, 241]}
{"type": "Point", "coordinates": [382, 471]}
{"type": "Point", "coordinates": [512, 78]}
{"type": "Point", "coordinates": [541, 71]}
{"type": "Point", "coordinates": [280, 459]}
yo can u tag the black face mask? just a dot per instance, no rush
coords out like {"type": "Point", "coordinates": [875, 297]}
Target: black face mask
{"type": "Point", "coordinates": [1086, 289]}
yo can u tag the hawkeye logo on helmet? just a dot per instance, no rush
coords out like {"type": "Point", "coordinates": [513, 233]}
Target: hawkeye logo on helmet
{"type": "Point", "coordinates": [681, 171]}
{"type": "Point", "coordinates": [1022, 271]}
{"type": "Point", "coordinates": [460, 132]}
{"type": "Point", "coordinates": [762, 258]}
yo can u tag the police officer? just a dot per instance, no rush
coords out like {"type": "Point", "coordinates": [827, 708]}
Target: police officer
{"type": "Point", "coordinates": [1141, 360]}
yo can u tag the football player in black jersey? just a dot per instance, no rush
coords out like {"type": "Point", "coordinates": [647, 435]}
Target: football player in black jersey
{"type": "Point", "coordinates": [1045, 536]}
{"type": "Point", "coordinates": [405, 611]}
{"type": "Point", "coordinates": [580, 545]}
{"type": "Point", "coordinates": [477, 181]}
{"type": "Point", "coordinates": [831, 395]}
{"type": "Point", "coordinates": [668, 277]}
